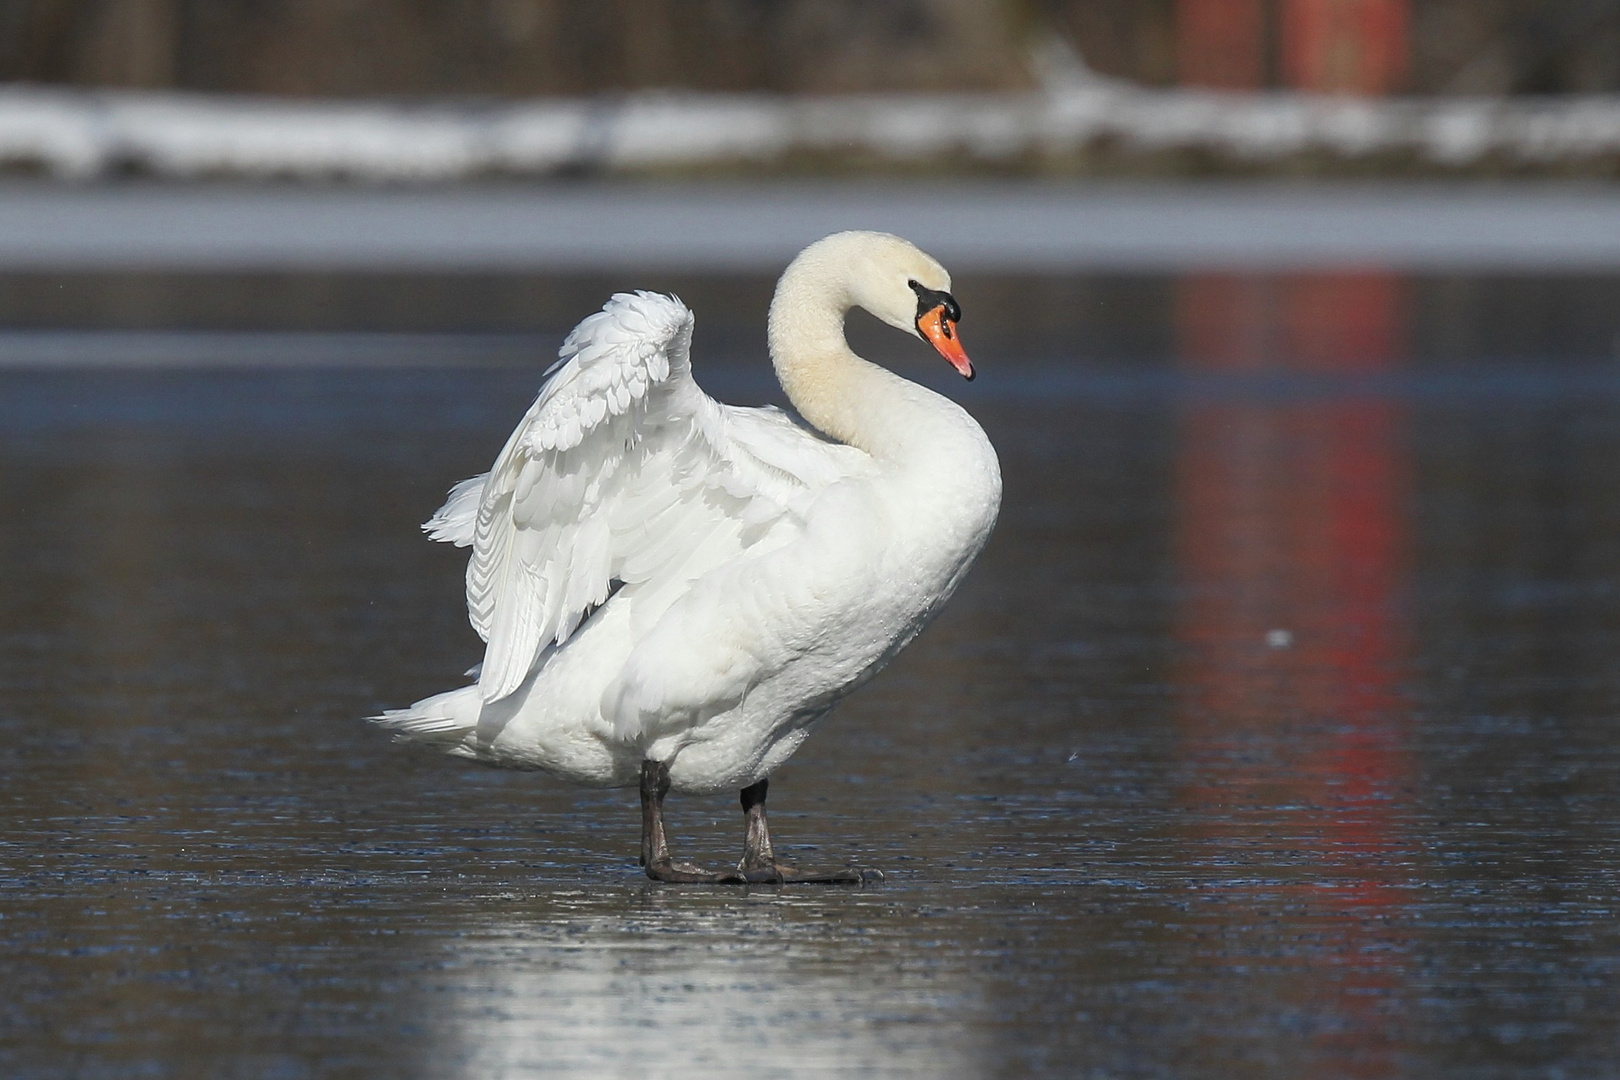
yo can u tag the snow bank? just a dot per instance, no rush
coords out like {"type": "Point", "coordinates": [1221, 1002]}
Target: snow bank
{"type": "Point", "coordinates": [84, 134]}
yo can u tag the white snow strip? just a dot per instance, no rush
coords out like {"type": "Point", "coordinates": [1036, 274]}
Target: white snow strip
{"type": "Point", "coordinates": [77, 134]}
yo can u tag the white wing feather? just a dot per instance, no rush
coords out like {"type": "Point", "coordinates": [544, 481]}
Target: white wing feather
{"type": "Point", "coordinates": [622, 470]}
{"type": "Point", "coordinates": [455, 520]}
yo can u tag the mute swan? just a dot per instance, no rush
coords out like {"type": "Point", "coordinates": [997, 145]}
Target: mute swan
{"type": "Point", "coordinates": [674, 591]}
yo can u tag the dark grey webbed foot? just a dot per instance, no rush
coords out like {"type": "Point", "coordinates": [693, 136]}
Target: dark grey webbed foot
{"type": "Point", "coordinates": [687, 874]}
{"type": "Point", "coordinates": [759, 865]}
{"type": "Point", "coordinates": [783, 874]}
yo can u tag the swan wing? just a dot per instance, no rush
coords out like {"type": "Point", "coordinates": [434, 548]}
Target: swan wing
{"type": "Point", "coordinates": [622, 472]}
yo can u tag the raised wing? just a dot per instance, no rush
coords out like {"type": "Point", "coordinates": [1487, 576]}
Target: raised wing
{"type": "Point", "coordinates": [622, 471]}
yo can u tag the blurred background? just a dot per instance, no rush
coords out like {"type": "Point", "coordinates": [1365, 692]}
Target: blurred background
{"type": "Point", "coordinates": [526, 47]}
{"type": "Point", "coordinates": [1273, 734]}
{"type": "Point", "coordinates": [541, 87]}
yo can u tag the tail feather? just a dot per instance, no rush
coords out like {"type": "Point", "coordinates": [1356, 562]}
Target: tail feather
{"type": "Point", "coordinates": [445, 721]}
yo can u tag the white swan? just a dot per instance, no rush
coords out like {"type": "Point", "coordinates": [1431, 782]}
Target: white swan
{"type": "Point", "coordinates": [674, 591]}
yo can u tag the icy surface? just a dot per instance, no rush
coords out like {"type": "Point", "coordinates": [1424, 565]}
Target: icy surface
{"type": "Point", "coordinates": [759, 227]}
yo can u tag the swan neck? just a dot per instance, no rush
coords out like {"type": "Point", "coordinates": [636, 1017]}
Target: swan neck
{"type": "Point", "coordinates": [831, 387]}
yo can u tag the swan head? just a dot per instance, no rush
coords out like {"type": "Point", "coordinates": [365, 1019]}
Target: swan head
{"type": "Point", "coordinates": [900, 284]}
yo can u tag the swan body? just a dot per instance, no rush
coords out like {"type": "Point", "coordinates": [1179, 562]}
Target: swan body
{"type": "Point", "coordinates": [663, 578]}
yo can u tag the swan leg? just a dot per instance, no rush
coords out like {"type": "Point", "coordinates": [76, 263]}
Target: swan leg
{"type": "Point", "coordinates": [757, 853]}
{"type": "Point", "coordinates": [655, 855]}
{"type": "Point", "coordinates": [759, 863]}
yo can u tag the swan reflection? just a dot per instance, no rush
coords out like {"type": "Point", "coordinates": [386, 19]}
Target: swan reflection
{"type": "Point", "coordinates": [644, 984]}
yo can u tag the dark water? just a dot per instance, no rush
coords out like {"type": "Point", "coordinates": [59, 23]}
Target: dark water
{"type": "Point", "coordinates": [1274, 735]}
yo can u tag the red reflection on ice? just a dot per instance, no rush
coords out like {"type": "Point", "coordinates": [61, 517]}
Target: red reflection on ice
{"type": "Point", "coordinates": [1292, 543]}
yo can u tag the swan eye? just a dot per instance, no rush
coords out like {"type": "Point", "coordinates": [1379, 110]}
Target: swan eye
{"type": "Point", "coordinates": [929, 299]}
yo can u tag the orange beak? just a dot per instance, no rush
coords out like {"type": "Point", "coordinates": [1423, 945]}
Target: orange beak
{"type": "Point", "coordinates": [941, 331]}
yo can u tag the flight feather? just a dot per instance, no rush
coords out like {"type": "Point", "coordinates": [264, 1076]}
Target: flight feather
{"type": "Point", "coordinates": [622, 472]}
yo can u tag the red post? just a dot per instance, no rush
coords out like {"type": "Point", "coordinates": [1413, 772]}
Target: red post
{"type": "Point", "coordinates": [1221, 43]}
{"type": "Point", "coordinates": [1345, 46]}
{"type": "Point", "coordinates": [1329, 46]}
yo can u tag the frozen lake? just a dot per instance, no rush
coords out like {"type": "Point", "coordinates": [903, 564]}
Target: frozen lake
{"type": "Point", "coordinates": [1273, 736]}
{"type": "Point", "coordinates": [1002, 227]}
